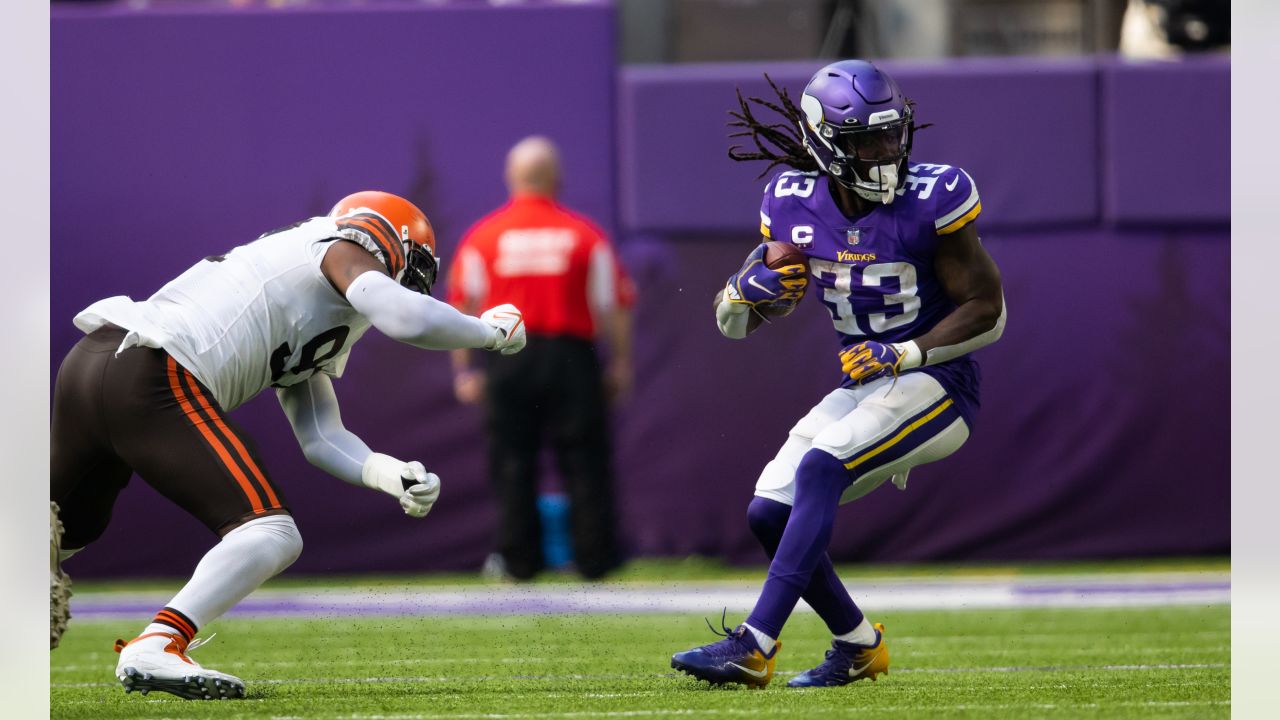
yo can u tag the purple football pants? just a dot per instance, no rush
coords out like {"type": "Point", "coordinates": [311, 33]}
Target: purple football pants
{"type": "Point", "coordinates": [796, 539]}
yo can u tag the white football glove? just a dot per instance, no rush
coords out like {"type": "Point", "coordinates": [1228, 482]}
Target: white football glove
{"type": "Point", "coordinates": [509, 323]}
{"type": "Point", "coordinates": [409, 482]}
{"type": "Point", "coordinates": [418, 500]}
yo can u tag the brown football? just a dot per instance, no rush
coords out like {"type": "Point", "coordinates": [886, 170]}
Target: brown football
{"type": "Point", "coordinates": [776, 255]}
{"type": "Point", "coordinates": [780, 254]}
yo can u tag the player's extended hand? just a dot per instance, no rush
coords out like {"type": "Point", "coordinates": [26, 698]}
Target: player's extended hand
{"type": "Point", "coordinates": [409, 482]}
{"type": "Point", "coordinates": [870, 360]}
{"type": "Point", "coordinates": [421, 490]}
{"type": "Point", "coordinates": [755, 284]}
{"type": "Point", "coordinates": [509, 323]}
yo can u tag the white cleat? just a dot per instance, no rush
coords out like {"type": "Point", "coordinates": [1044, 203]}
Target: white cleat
{"type": "Point", "coordinates": [159, 661]}
{"type": "Point", "coordinates": [59, 582]}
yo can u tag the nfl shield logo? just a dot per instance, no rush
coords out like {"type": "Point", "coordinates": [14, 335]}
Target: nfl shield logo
{"type": "Point", "coordinates": [854, 236]}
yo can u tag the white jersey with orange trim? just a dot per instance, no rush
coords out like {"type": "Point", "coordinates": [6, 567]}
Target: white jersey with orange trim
{"type": "Point", "coordinates": [262, 315]}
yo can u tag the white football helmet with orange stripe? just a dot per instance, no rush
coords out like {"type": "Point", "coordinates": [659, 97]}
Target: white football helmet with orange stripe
{"type": "Point", "coordinates": [395, 231]}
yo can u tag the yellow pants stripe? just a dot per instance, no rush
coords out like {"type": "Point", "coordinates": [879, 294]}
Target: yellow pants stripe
{"type": "Point", "coordinates": [898, 438]}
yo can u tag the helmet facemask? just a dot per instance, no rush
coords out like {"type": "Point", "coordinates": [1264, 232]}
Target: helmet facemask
{"type": "Point", "coordinates": [420, 269]}
{"type": "Point", "coordinates": [869, 160]}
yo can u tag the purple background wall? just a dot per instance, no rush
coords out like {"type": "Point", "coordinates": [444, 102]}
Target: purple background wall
{"type": "Point", "coordinates": [177, 134]}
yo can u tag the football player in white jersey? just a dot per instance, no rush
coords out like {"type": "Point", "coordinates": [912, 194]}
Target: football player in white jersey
{"type": "Point", "coordinates": [146, 391]}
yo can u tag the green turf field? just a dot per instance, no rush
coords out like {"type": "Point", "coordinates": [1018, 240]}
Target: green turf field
{"type": "Point", "coordinates": [1016, 663]}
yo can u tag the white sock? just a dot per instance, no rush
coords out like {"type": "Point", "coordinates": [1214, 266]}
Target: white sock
{"type": "Point", "coordinates": [765, 642]}
{"type": "Point", "coordinates": [159, 628]}
{"type": "Point", "coordinates": [245, 558]}
{"type": "Point", "coordinates": [864, 634]}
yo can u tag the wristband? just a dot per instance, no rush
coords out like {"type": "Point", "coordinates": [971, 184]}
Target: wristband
{"type": "Point", "coordinates": [382, 472]}
{"type": "Point", "coordinates": [912, 357]}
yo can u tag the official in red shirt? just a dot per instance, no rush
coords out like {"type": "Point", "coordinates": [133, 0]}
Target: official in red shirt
{"type": "Point", "coordinates": [560, 270]}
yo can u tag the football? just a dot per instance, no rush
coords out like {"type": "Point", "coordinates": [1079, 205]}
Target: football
{"type": "Point", "coordinates": [780, 254]}
{"type": "Point", "coordinates": [777, 255]}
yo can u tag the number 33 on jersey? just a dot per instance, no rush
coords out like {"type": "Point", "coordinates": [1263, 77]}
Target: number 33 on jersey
{"type": "Point", "coordinates": [874, 273]}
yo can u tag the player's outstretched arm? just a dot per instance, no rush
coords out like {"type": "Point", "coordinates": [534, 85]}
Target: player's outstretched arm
{"type": "Point", "coordinates": [421, 320]}
{"type": "Point", "coordinates": [312, 409]}
{"type": "Point", "coordinates": [971, 279]}
{"type": "Point", "coordinates": [414, 318]}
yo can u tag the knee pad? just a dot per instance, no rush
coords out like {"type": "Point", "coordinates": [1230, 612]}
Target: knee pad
{"type": "Point", "coordinates": [276, 536]}
{"type": "Point", "coordinates": [834, 439]}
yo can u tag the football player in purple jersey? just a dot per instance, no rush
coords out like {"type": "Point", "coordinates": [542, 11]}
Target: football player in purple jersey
{"type": "Point", "coordinates": [892, 247]}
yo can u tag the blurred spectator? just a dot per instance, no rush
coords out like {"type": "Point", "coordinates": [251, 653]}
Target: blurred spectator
{"type": "Point", "coordinates": [1165, 28]}
{"type": "Point", "coordinates": [559, 268]}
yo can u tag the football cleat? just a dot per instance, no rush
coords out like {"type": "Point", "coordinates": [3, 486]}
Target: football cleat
{"type": "Point", "coordinates": [846, 662]}
{"type": "Point", "coordinates": [59, 581]}
{"type": "Point", "coordinates": [159, 661]}
{"type": "Point", "coordinates": [735, 659]}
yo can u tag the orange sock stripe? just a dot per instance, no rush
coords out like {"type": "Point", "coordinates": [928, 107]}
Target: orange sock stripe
{"type": "Point", "coordinates": [240, 449]}
{"type": "Point", "coordinates": [182, 620]}
{"type": "Point", "coordinates": [210, 438]}
{"type": "Point", "coordinates": [168, 618]}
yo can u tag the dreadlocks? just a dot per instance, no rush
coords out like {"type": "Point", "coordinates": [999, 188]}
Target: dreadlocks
{"type": "Point", "coordinates": [785, 138]}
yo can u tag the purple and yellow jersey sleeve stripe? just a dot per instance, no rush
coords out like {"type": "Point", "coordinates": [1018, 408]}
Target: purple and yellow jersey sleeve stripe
{"type": "Point", "coordinates": [766, 224]}
{"type": "Point", "coordinates": [959, 204]}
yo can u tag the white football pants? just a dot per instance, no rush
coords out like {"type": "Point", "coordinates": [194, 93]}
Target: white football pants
{"type": "Point", "coordinates": [879, 430]}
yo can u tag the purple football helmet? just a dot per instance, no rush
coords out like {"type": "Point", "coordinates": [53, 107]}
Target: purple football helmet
{"type": "Point", "coordinates": [858, 126]}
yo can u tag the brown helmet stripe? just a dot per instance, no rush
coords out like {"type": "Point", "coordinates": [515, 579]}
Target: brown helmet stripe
{"type": "Point", "coordinates": [382, 233]}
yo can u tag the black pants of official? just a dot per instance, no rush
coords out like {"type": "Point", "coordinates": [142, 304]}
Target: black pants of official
{"type": "Point", "coordinates": [551, 391]}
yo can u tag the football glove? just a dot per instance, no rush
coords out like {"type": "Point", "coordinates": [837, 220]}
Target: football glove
{"type": "Point", "coordinates": [757, 285]}
{"type": "Point", "coordinates": [420, 496]}
{"type": "Point", "coordinates": [409, 482]}
{"type": "Point", "coordinates": [509, 323]}
{"type": "Point", "coordinates": [870, 360]}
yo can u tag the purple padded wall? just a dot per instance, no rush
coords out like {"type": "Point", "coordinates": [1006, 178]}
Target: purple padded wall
{"type": "Point", "coordinates": [1026, 130]}
{"type": "Point", "coordinates": [180, 133]}
{"type": "Point", "coordinates": [1167, 141]}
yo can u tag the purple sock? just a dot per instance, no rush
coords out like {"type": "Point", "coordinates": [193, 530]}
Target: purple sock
{"type": "Point", "coordinates": [820, 479]}
{"type": "Point", "coordinates": [825, 593]}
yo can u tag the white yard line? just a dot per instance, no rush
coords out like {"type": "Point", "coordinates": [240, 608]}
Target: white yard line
{"type": "Point", "coordinates": [850, 710]}
{"type": "Point", "coordinates": [846, 710]}
{"type": "Point", "coordinates": [624, 676]}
